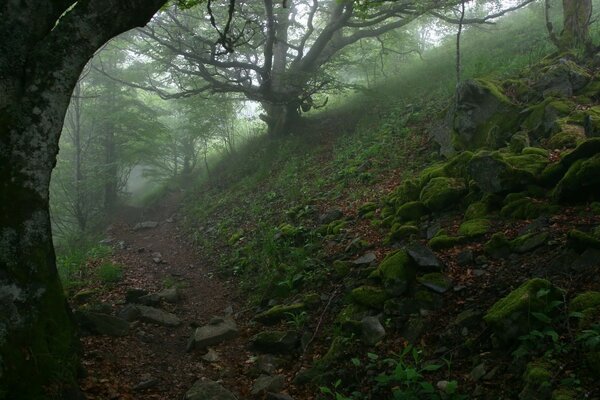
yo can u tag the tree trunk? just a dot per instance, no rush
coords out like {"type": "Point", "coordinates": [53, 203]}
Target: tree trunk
{"type": "Point", "coordinates": [576, 17]}
{"type": "Point", "coordinates": [42, 52]}
{"type": "Point", "coordinates": [280, 118]}
{"type": "Point", "coordinates": [111, 182]}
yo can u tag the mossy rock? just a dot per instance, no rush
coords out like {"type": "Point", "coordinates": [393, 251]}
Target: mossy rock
{"type": "Point", "coordinates": [538, 151]}
{"type": "Point", "coordinates": [409, 190]}
{"type": "Point", "coordinates": [436, 170]}
{"type": "Point", "coordinates": [587, 304]}
{"type": "Point", "coordinates": [275, 341]}
{"type": "Point", "coordinates": [341, 268]}
{"type": "Point", "coordinates": [543, 117]}
{"type": "Point", "coordinates": [485, 117]}
{"type": "Point", "coordinates": [581, 182]}
{"type": "Point", "coordinates": [586, 149]}
{"type": "Point", "coordinates": [552, 174]}
{"type": "Point", "coordinates": [532, 163]}
{"type": "Point", "coordinates": [519, 141]}
{"type": "Point", "coordinates": [441, 242]}
{"type": "Point", "coordinates": [366, 209]}
{"type": "Point", "coordinates": [412, 211]}
{"type": "Point", "coordinates": [564, 394]}
{"type": "Point", "coordinates": [457, 166]}
{"type": "Point", "coordinates": [498, 246]}
{"type": "Point", "coordinates": [401, 232]}
{"type": "Point", "coordinates": [349, 318]}
{"type": "Point", "coordinates": [568, 138]}
{"type": "Point", "coordinates": [435, 281]}
{"type": "Point", "coordinates": [311, 300]}
{"type": "Point", "coordinates": [581, 241]}
{"type": "Point", "coordinates": [474, 228]}
{"type": "Point", "coordinates": [476, 210]}
{"type": "Point", "coordinates": [278, 312]}
{"type": "Point", "coordinates": [493, 174]}
{"type": "Point", "coordinates": [528, 242]}
{"type": "Point", "coordinates": [510, 317]}
{"type": "Point", "coordinates": [538, 381]}
{"type": "Point", "coordinates": [396, 270]}
{"type": "Point", "coordinates": [525, 208]}
{"type": "Point", "coordinates": [369, 296]}
{"type": "Point", "coordinates": [442, 193]}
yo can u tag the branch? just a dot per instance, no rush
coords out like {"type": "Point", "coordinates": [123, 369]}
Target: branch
{"type": "Point", "coordinates": [484, 20]}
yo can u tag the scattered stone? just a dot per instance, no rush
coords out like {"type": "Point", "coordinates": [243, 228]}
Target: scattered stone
{"type": "Point", "coordinates": [267, 364]}
{"type": "Point", "coordinates": [436, 281]}
{"type": "Point", "coordinates": [101, 324]}
{"type": "Point", "coordinates": [208, 390]}
{"type": "Point", "coordinates": [132, 294]}
{"type": "Point", "coordinates": [151, 299]}
{"type": "Point", "coordinates": [441, 193]}
{"type": "Point", "coordinates": [266, 383]}
{"type": "Point", "coordinates": [465, 257]}
{"type": "Point", "coordinates": [365, 259]}
{"type": "Point", "coordinates": [157, 316]}
{"type": "Point", "coordinates": [129, 313]}
{"type": "Point", "coordinates": [211, 356]}
{"type": "Point", "coordinates": [537, 225]}
{"type": "Point", "coordinates": [424, 258]}
{"type": "Point", "coordinates": [170, 295]}
{"type": "Point", "coordinates": [372, 330]}
{"type": "Point", "coordinates": [219, 330]}
{"type": "Point", "coordinates": [432, 230]}
{"type": "Point", "coordinates": [537, 378]}
{"type": "Point", "coordinates": [589, 260]}
{"type": "Point", "coordinates": [396, 271]}
{"type": "Point", "coordinates": [145, 225]}
{"type": "Point", "coordinates": [330, 216]}
{"type": "Point", "coordinates": [529, 242]}
{"type": "Point", "coordinates": [278, 312]}
{"type": "Point", "coordinates": [478, 372]}
{"type": "Point", "coordinates": [474, 227]}
{"type": "Point", "coordinates": [146, 383]}
{"type": "Point", "coordinates": [275, 341]}
{"type": "Point", "coordinates": [478, 272]}
{"type": "Point", "coordinates": [369, 296]}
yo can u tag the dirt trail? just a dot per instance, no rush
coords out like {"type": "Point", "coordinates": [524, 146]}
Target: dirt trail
{"type": "Point", "coordinates": [151, 362]}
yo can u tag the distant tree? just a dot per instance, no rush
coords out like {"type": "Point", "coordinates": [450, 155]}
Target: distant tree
{"type": "Point", "coordinates": [575, 34]}
{"type": "Point", "coordinates": [44, 46]}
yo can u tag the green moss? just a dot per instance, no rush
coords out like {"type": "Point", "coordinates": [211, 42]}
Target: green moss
{"type": "Point", "coordinates": [552, 174]}
{"type": "Point", "coordinates": [537, 373]}
{"type": "Point", "coordinates": [528, 242]}
{"type": "Point", "coordinates": [396, 266]}
{"type": "Point", "coordinates": [411, 211]}
{"type": "Point", "coordinates": [442, 193]}
{"type": "Point", "coordinates": [369, 296]}
{"type": "Point", "coordinates": [436, 281]}
{"type": "Point", "coordinates": [581, 182]}
{"type": "Point", "coordinates": [441, 242]}
{"type": "Point", "coordinates": [587, 149]}
{"type": "Point", "coordinates": [581, 241]}
{"type": "Point", "coordinates": [518, 142]}
{"type": "Point", "coordinates": [525, 208]}
{"type": "Point", "coordinates": [543, 116]}
{"type": "Point", "coordinates": [278, 312]}
{"type": "Point", "coordinates": [409, 190]}
{"type": "Point", "coordinates": [494, 174]}
{"type": "Point", "coordinates": [568, 138]}
{"type": "Point", "coordinates": [531, 163]}
{"type": "Point", "coordinates": [456, 167]}
{"type": "Point", "coordinates": [401, 232]}
{"type": "Point", "coordinates": [584, 301]}
{"type": "Point", "coordinates": [474, 228]}
{"type": "Point", "coordinates": [564, 394]}
{"type": "Point", "coordinates": [510, 316]}
{"type": "Point", "coordinates": [498, 246]}
{"type": "Point", "coordinates": [476, 210]}
{"type": "Point", "coordinates": [433, 171]}
{"type": "Point", "coordinates": [536, 151]}
{"type": "Point", "coordinates": [366, 209]}
{"type": "Point", "coordinates": [341, 268]}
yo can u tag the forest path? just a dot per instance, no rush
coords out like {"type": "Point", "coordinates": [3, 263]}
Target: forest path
{"type": "Point", "coordinates": [151, 361]}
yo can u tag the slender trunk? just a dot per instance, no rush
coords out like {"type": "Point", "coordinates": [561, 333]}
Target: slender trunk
{"type": "Point", "coordinates": [80, 196]}
{"type": "Point", "coordinates": [576, 16]}
{"type": "Point", "coordinates": [111, 182]}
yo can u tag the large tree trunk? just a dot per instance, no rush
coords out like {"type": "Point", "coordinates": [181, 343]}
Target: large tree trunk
{"type": "Point", "coordinates": [42, 53]}
{"type": "Point", "coordinates": [280, 118]}
{"type": "Point", "coordinates": [576, 17]}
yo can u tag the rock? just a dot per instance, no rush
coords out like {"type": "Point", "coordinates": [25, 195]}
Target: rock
{"type": "Point", "coordinates": [145, 225]}
{"type": "Point", "coordinates": [562, 79]}
{"type": "Point", "coordinates": [365, 259]}
{"type": "Point", "coordinates": [278, 312]}
{"type": "Point", "coordinates": [211, 356]}
{"type": "Point", "coordinates": [441, 193]}
{"type": "Point", "coordinates": [396, 271]}
{"type": "Point", "coordinates": [529, 242]}
{"type": "Point", "coordinates": [498, 246]}
{"type": "Point", "coordinates": [465, 257]}
{"type": "Point", "coordinates": [101, 324]}
{"type": "Point", "coordinates": [588, 305]}
{"type": "Point", "coordinates": [401, 307]}
{"type": "Point", "coordinates": [494, 175]}
{"type": "Point", "coordinates": [147, 383]}
{"type": "Point", "coordinates": [372, 331]}
{"type": "Point", "coordinates": [157, 316]}
{"type": "Point", "coordinates": [274, 342]}
{"type": "Point", "coordinates": [279, 396]}
{"type": "Point", "coordinates": [214, 333]}
{"type": "Point", "coordinates": [424, 258]}
{"type": "Point", "coordinates": [580, 241]}
{"type": "Point", "coordinates": [411, 211]}
{"type": "Point", "coordinates": [330, 216]}
{"type": "Point", "coordinates": [132, 294]}
{"type": "Point", "coordinates": [510, 317]}
{"type": "Point", "coordinates": [413, 329]}
{"type": "Point", "coordinates": [484, 116]}
{"type": "Point", "coordinates": [151, 299]}
{"type": "Point", "coordinates": [170, 295]}
{"type": "Point", "coordinates": [537, 378]}
{"type": "Point", "coordinates": [588, 261]}
{"type": "Point", "coordinates": [539, 224]}
{"type": "Point", "coordinates": [208, 390]}
{"type": "Point", "coordinates": [479, 209]}
{"type": "Point", "coordinates": [401, 232]}
{"type": "Point", "coordinates": [266, 383]}
{"type": "Point", "coordinates": [129, 313]}
{"type": "Point", "coordinates": [474, 228]}
{"type": "Point", "coordinates": [581, 182]}
{"type": "Point", "coordinates": [369, 296]}
{"type": "Point", "coordinates": [478, 372]}
{"type": "Point", "coordinates": [441, 242]}
{"type": "Point", "coordinates": [267, 364]}
{"type": "Point", "coordinates": [436, 281]}
{"type": "Point", "coordinates": [84, 296]}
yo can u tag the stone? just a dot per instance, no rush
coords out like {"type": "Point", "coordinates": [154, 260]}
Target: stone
{"type": "Point", "coordinates": [129, 313]}
{"type": "Point", "coordinates": [510, 317]}
{"type": "Point", "coordinates": [101, 324]}
{"type": "Point", "coordinates": [396, 270]}
{"type": "Point", "coordinates": [529, 242]}
{"type": "Point", "coordinates": [441, 242]}
{"type": "Point", "coordinates": [562, 79]}
{"type": "Point", "coordinates": [411, 211]}
{"type": "Point", "coordinates": [494, 175]}
{"type": "Point", "coordinates": [474, 228]}
{"type": "Point", "coordinates": [580, 241]}
{"type": "Point", "coordinates": [365, 259]}
{"type": "Point", "coordinates": [588, 261]}
{"type": "Point", "coordinates": [151, 299]}
{"type": "Point", "coordinates": [170, 295]}
{"type": "Point", "coordinates": [581, 182]}
{"type": "Point", "coordinates": [211, 356]}
{"type": "Point", "coordinates": [266, 383]}
{"type": "Point", "coordinates": [132, 294]}
{"type": "Point", "coordinates": [145, 225]}
{"type": "Point", "coordinates": [371, 330]}
{"type": "Point", "coordinates": [274, 342]}
{"type": "Point", "coordinates": [217, 331]}
{"type": "Point", "coordinates": [84, 296]}
{"type": "Point", "coordinates": [146, 383]}
{"type": "Point", "coordinates": [478, 372]}
{"type": "Point", "coordinates": [465, 257]}
{"type": "Point", "coordinates": [401, 307]}
{"type": "Point", "coordinates": [436, 281]}
{"type": "Point", "coordinates": [498, 246]}
{"type": "Point", "coordinates": [158, 316]}
{"type": "Point", "coordinates": [537, 377]}
{"type": "Point", "coordinates": [208, 390]}
{"type": "Point", "coordinates": [441, 193]}
{"type": "Point", "coordinates": [369, 296]}
{"type": "Point", "coordinates": [423, 257]}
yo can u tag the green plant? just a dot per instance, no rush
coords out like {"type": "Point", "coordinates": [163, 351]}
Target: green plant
{"type": "Point", "coordinates": [109, 272]}
{"type": "Point", "coordinates": [333, 392]}
{"type": "Point", "coordinates": [297, 319]}
{"type": "Point", "coordinates": [590, 338]}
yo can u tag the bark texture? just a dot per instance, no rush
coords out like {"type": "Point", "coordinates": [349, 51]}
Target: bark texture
{"type": "Point", "coordinates": [577, 14]}
{"type": "Point", "coordinates": [44, 47]}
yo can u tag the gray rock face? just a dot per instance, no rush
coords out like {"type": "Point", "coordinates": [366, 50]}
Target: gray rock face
{"type": "Point", "coordinates": [266, 383]}
{"type": "Point", "coordinates": [372, 331]}
{"type": "Point", "coordinates": [425, 259]}
{"type": "Point", "coordinates": [208, 390]}
{"type": "Point", "coordinates": [366, 259]}
{"type": "Point", "coordinates": [145, 225]}
{"type": "Point", "coordinates": [157, 316]}
{"type": "Point", "coordinates": [101, 324]}
{"type": "Point", "coordinates": [217, 331]}
{"type": "Point", "coordinates": [562, 79]}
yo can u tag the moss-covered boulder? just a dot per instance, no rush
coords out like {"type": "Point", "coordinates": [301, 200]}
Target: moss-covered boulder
{"type": "Point", "coordinates": [581, 182]}
{"type": "Point", "coordinates": [569, 137]}
{"type": "Point", "coordinates": [564, 394]}
{"type": "Point", "coordinates": [525, 208]}
{"type": "Point", "coordinates": [536, 151]}
{"type": "Point", "coordinates": [531, 163]}
{"type": "Point", "coordinates": [409, 190]}
{"type": "Point", "coordinates": [442, 193]}
{"type": "Point", "coordinates": [494, 175]}
{"type": "Point", "coordinates": [498, 246]}
{"type": "Point", "coordinates": [435, 281]}
{"type": "Point", "coordinates": [369, 296]}
{"type": "Point", "coordinates": [538, 381]}
{"type": "Point", "coordinates": [552, 174]}
{"type": "Point", "coordinates": [474, 227]}
{"type": "Point", "coordinates": [278, 312]}
{"type": "Point", "coordinates": [511, 316]}
{"type": "Point", "coordinates": [397, 272]}
{"type": "Point", "coordinates": [484, 117]}
{"type": "Point", "coordinates": [519, 141]}
{"type": "Point", "coordinates": [275, 341]}
{"type": "Point", "coordinates": [587, 305]}
{"type": "Point", "coordinates": [441, 242]}
{"type": "Point", "coordinates": [476, 210]}
{"type": "Point", "coordinates": [585, 150]}
{"type": "Point", "coordinates": [457, 166]}
{"type": "Point", "coordinates": [562, 79]}
{"type": "Point", "coordinates": [411, 211]}
{"type": "Point", "coordinates": [400, 232]}
{"type": "Point", "coordinates": [580, 241]}
{"type": "Point", "coordinates": [542, 118]}
{"type": "Point", "coordinates": [528, 242]}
